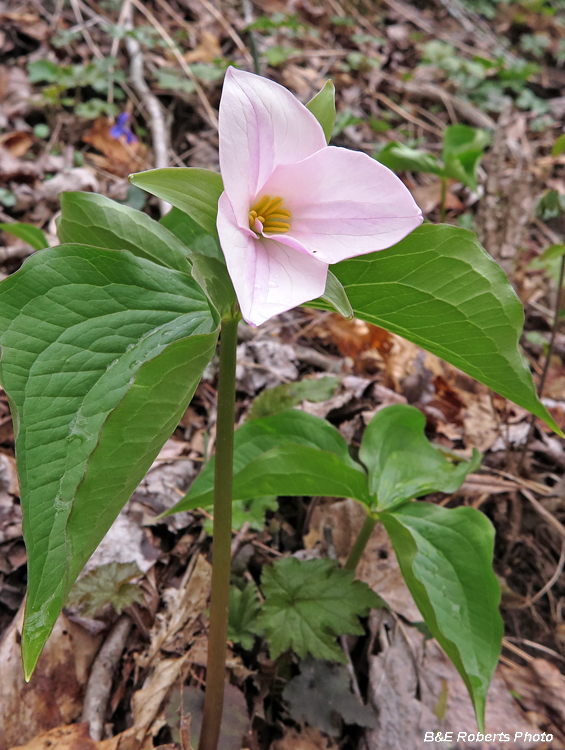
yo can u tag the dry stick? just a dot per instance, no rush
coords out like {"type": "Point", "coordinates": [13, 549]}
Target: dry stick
{"type": "Point", "coordinates": [86, 34]}
{"type": "Point", "coordinates": [406, 115]}
{"type": "Point", "coordinates": [228, 27]}
{"type": "Point", "coordinates": [101, 675]}
{"type": "Point", "coordinates": [124, 13]}
{"type": "Point", "coordinates": [181, 61]}
{"type": "Point", "coordinates": [554, 578]}
{"type": "Point", "coordinates": [157, 124]}
{"type": "Point", "coordinates": [549, 517]}
{"type": "Point", "coordinates": [548, 356]}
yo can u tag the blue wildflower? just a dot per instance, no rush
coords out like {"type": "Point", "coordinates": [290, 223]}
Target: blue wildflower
{"type": "Point", "coordinates": [121, 128]}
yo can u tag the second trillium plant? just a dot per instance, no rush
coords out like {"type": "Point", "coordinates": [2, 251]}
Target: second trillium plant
{"type": "Point", "coordinates": [105, 338]}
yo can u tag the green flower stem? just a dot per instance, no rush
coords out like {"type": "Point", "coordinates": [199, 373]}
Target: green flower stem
{"type": "Point", "coordinates": [221, 543]}
{"type": "Point", "coordinates": [361, 541]}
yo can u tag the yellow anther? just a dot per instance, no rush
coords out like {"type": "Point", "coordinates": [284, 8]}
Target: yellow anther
{"type": "Point", "coordinates": [269, 212]}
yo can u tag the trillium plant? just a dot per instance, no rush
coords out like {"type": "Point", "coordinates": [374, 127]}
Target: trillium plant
{"type": "Point", "coordinates": [105, 338]}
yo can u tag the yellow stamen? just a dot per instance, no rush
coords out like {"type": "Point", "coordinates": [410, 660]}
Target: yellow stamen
{"type": "Point", "coordinates": [270, 212]}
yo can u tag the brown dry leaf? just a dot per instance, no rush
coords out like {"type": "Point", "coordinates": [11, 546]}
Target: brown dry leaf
{"type": "Point", "coordinates": [15, 92]}
{"type": "Point", "coordinates": [77, 737]}
{"type": "Point", "coordinates": [428, 197]}
{"type": "Point", "coordinates": [207, 51]}
{"type": "Point", "coordinates": [53, 696]}
{"type": "Point", "coordinates": [27, 23]}
{"type": "Point", "coordinates": [409, 680]}
{"type": "Point", "coordinates": [119, 158]}
{"type": "Point", "coordinates": [16, 143]}
{"type": "Point", "coordinates": [378, 567]}
{"type": "Point", "coordinates": [307, 739]}
{"type": "Point", "coordinates": [541, 688]}
{"type": "Point", "coordinates": [146, 703]}
{"type": "Point", "coordinates": [13, 169]}
{"type": "Point", "coordinates": [172, 630]}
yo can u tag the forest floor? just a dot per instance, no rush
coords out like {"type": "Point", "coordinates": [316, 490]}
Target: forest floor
{"type": "Point", "coordinates": [402, 72]}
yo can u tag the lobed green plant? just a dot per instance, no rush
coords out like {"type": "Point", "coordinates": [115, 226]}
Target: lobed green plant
{"type": "Point", "coordinates": [104, 340]}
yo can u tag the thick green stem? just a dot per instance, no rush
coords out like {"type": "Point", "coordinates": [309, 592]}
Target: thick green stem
{"type": "Point", "coordinates": [361, 542]}
{"type": "Point", "coordinates": [443, 199]}
{"type": "Point", "coordinates": [221, 544]}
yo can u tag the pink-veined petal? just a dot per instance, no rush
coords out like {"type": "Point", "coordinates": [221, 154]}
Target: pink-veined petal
{"type": "Point", "coordinates": [343, 204]}
{"type": "Point", "coordinates": [261, 125]}
{"type": "Point", "coordinates": [268, 277]}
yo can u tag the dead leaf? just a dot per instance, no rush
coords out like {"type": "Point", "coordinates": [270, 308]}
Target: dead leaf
{"type": "Point", "coordinates": [409, 679]}
{"type": "Point", "coordinates": [17, 143]}
{"type": "Point", "coordinates": [119, 158]}
{"type": "Point", "coordinates": [53, 696]}
{"type": "Point", "coordinates": [207, 51]}
{"type": "Point", "coordinates": [541, 688]}
{"type": "Point", "coordinates": [428, 197]}
{"type": "Point", "coordinates": [78, 178]}
{"type": "Point", "coordinates": [15, 92]}
{"type": "Point", "coordinates": [77, 737]}
{"type": "Point", "coordinates": [307, 739]}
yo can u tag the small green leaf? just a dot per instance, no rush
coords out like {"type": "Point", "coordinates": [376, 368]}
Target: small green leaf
{"type": "Point", "coordinates": [445, 556]}
{"type": "Point", "coordinates": [552, 252]}
{"type": "Point", "coordinates": [322, 107]}
{"type": "Point", "coordinates": [107, 584]}
{"type": "Point", "coordinates": [257, 436]}
{"type": "Point", "coordinates": [191, 234]}
{"type": "Point", "coordinates": [440, 289]}
{"type": "Point", "coordinates": [402, 463]}
{"type": "Point", "coordinates": [401, 158]}
{"type": "Point", "coordinates": [336, 296]}
{"type": "Point", "coordinates": [213, 277]}
{"type": "Point", "coordinates": [243, 623]}
{"type": "Point", "coordinates": [91, 219]}
{"type": "Point", "coordinates": [463, 148]}
{"type": "Point", "coordinates": [194, 191]}
{"type": "Point", "coordinates": [252, 511]}
{"type": "Point", "coordinates": [558, 146]}
{"type": "Point", "coordinates": [550, 206]}
{"type": "Point", "coordinates": [101, 353]}
{"type": "Point", "coordinates": [287, 395]}
{"type": "Point", "coordinates": [309, 604]}
{"type": "Point", "coordinates": [28, 233]}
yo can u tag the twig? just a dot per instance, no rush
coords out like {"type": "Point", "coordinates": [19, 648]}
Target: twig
{"type": "Point", "coordinates": [152, 104]}
{"type": "Point", "coordinates": [406, 115]}
{"type": "Point", "coordinates": [124, 12]}
{"type": "Point", "coordinates": [548, 356]}
{"type": "Point", "coordinates": [221, 19]}
{"type": "Point", "coordinates": [94, 48]}
{"type": "Point", "coordinates": [554, 578]}
{"type": "Point", "coordinates": [549, 517]}
{"type": "Point", "coordinates": [101, 675]}
{"type": "Point", "coordinates": [181, 61]}
{"type": "Point", "coordinates": [248, 18]}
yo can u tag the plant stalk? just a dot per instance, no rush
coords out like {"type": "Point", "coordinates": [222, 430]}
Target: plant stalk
{"type": "Point", "coordinates": [442, 210]}
{"type": "Point", "coordinates": [361, 542]}
{"type": "Point", "coordinates": [221, 542]}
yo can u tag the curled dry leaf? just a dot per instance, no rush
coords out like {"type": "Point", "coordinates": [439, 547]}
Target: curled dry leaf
{"type": "Point", "coordinates": [119, 157]}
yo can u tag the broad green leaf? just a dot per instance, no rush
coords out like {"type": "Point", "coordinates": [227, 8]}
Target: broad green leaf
{"type": "Point", "coordinates": [243, 623]}
{"type": "Point", "coordinates": [28, 233]}
{"type": "Point", "coordinates": [256, 437]}
{"type": "Point", "coordinates": [445, 556]}
{"type": "Point", "coordinates": [191, 234]}
{"type": "Point", "coordinates": [107, 584]}
{"type": "Point", "coordinates": [558, 146]}
{"type": "Point", "coordinates": [441, 290]}
{"type": "Point", "coordinates": [101, 353]}
{"type": "Point", "coordinates": [94, 220]}
{"type": "Point", "coordinates": [308, 604]}
{"type": "Point", "coordinates": [401, 158]}
{"type": "Point", "coordinates": [194, 191]}
{"type": "Point", "coordinates": [212, 276]}
{"type": "Point", "coordinates": [322, 107]}
{"type": "Point", "coordinates": [402, 463]}
{"type": "Point", "coordinates": [463, 148]}
{"type": "Point", "coordinates": [300, 470]}
{"type": "Point", "coordinates": [336, 296]}
{"type": "Point", "coordinates": [287, 395]}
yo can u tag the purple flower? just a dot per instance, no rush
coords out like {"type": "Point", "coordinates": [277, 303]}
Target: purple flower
{"type": "Point", "coordinates": [293, 205]}
{"type": "Point", "coordinates": [121, 128]}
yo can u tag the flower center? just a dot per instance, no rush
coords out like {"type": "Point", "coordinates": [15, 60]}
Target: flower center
{"type": "Point", "coordinates": [268, 215]}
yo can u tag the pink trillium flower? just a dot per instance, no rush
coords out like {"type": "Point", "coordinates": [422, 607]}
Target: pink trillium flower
{"type": "Point", "coordinates": [293, 205]}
